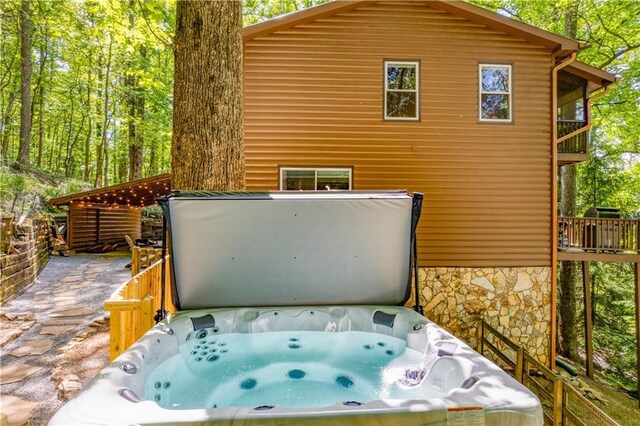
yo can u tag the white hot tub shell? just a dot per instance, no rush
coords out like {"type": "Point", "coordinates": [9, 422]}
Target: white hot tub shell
{"type": "Point", "coordinates": [328, 263]}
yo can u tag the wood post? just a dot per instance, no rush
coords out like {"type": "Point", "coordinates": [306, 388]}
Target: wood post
{"type": "Point", "coordinates": [558, 399]}
{"type": "Point", "coordinates": [135, 261]}
{"type": "Point", "coordinates": [480, 336]}
{"type": "Point", "coordinates": [588, 317]}
{"type": "Point", "coordinates": [519, 364]}
{"type": "Point", "coordinates": [146, 314]}
{"type": "Point", "coordinates": [115, 335]}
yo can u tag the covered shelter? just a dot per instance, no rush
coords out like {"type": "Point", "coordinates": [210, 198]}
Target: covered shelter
{"type": "Point", "coordinates": [106, 215]}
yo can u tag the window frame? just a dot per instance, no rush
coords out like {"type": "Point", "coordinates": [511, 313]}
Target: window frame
{"type": "Point", "coordinates": [509, 66]}
{"type": "Point", "coordinates": [283, 169]}
{"type": "Point", "coordinates": [386, 89]}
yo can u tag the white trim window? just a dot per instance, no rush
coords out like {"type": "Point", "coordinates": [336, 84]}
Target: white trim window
{"type": "Point", "coordinates": [495, 104]}
{"type": "Point", "coordinates": [315, 179]}
{"type": "Point", "coordinates": [401, 90]}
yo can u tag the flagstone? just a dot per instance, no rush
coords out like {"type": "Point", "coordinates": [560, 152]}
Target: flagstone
{"type": "Point", "coordinates": [7, 336]}
{"type": "Point", "coordinates": [16, 372]}
{"type": "Point", "coordinates": [68, 293]}
{"type": "Point", "coordinates": [33, 347]}
{"type": "Point", "coordinates": [56, 330]}
{"type": "Point", "coordinates": [63, 321]}
{"type": "Point", "coordinates": [16, 410]}
{"type": "Point", "coordinates": [72, 312]}
{"type": "Point", "coordinates": [26, 325]}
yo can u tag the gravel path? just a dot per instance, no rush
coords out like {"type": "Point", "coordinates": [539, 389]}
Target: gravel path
{"type": "Point", "coordinates": [68, 295]}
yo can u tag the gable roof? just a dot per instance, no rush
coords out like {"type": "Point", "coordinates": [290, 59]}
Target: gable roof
{"type": "Point", "coordinates": [558, 44]}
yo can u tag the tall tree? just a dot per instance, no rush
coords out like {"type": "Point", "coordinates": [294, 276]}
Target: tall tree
{"type": "Point", "coordinates": [135, 101]}
{"type": "Point", "coordinates": [568, 273]}
{"type": "Point", "coordinates": [25, 89]}
{"type": "Point", "coordinates": [207, 144]}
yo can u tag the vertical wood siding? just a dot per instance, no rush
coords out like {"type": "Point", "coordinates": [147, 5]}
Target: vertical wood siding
{"type": "Point", "coordinates": [314, 97]}
{"type": "Point", "coordinates": [87, 229]}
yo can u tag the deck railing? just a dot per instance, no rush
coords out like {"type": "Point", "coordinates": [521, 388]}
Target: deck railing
{"type": "Point", "coordinates": [143, 257]}
{"type": "Point", "coordinates": [562, 404]}
{"type": "Point", "coordinates": [133, 305]}
{"type": "Point", "coordinates": [578, 143]}
{"type": "Point", "coordinates": [598, 235]}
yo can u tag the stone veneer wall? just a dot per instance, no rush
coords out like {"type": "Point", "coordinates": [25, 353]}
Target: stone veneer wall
{"type": "Point", "coordinates": [516, 301]}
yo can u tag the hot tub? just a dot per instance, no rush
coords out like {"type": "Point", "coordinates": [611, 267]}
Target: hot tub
{"type": "Point", "coordinates": [261, 337]}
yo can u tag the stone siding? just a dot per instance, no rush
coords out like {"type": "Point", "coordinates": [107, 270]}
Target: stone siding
{"type": "Point", "coordinates": [516, 301]}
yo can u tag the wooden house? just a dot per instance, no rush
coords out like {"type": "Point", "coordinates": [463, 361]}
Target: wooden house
{"type": "Point", "coordinates": [473, 109]}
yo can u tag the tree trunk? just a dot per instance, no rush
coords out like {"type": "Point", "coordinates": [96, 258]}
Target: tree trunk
{"type": "Point", "coordinates": [568, 273]}
{"type": "Point", "coordinates": [135, 101]}
{"type": "Point", "coordinates": [6, 126]}
{"type": "Point", "coordinates": [105, 123]}
{"type": "Point", "coordinates": [40, 87]}
{"type": "Point", "coordinates": [207, 143]}
{"type": "Point", "coordinates": [87, 141]}
{"type": "Point", "coordinates": [25, 90]}
{"type": "Point", "coordinates": [69, 163]}
{"type": "Point", "coordinates": [99, 151]}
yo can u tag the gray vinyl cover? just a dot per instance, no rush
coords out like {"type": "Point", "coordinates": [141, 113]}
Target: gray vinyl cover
{"type": "Point", "coordinates": [283, 248]}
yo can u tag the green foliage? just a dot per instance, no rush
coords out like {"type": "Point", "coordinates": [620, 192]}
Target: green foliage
{"type": "Point", "coordinates": [260, 10]}
{"type": "Point", "coordinates": [613, 320]}
{"type": "Point", "coordinates": [27, 189]}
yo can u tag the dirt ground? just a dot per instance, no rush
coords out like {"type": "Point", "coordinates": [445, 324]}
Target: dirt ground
{"type": "Point", "coordinates": [619, 405]}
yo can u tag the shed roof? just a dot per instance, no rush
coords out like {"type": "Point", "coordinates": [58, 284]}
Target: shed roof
{"type": "Point", "coordinates": [558, 44]}
{"type": "Point", "coordinates": [135, 193]}
{"type": "Point", "coordinates": [596, 77]}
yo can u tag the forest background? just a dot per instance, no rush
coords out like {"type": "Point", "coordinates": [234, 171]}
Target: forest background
{"type": "Point", "coordinates": [86, 101]}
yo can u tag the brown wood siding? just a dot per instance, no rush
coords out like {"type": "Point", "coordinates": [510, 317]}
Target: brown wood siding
{"type": "Point", "coordinates": [113, 224]}
{"type": "Point", "coordinates": [314, 97]}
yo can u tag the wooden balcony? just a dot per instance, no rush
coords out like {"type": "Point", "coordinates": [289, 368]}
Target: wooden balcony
{"type": "Point", "coordinates": [594, 239]}
{"type": "Point", "coordinates": [575, 149]}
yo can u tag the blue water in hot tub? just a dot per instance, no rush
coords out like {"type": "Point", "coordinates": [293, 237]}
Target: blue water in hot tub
{"type": "Point", "coordinates": [302, 369]}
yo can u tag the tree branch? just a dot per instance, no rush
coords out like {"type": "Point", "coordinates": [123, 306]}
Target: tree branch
{"type": "Point", "coordinates": [146, 21]}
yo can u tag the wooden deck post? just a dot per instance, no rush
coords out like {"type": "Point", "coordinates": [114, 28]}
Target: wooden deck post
{"type": "Point", "coordinates": [115, 335]}
{"type": "Point", "coordinates": [588, 317]}
{"type": "Point", "coordinates": [146, 315]}
{"type": "Point", "coordinates": [558, 399]}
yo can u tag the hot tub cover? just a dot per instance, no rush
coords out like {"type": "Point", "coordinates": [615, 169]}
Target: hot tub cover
{"type": "Point", "coordinates": [290, 248]}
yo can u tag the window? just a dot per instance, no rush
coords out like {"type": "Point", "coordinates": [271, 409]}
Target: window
{"type": "Point", "coordinates": [314, 179]}
{"type": "Point", "coordinates": [495, 93]}
{"type": "Point", "coordinates": [401, 90]}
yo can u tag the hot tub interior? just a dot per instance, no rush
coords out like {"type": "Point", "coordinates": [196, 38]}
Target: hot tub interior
{"type": "Point", "coordinates": [316, 361]}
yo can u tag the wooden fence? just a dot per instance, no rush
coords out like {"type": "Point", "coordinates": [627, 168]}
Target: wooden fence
{"type": "Point", "coordinates": [143, 257]}
{"type": "Point", "coordinates": [24, 252]}
{"type": "Point", "coordinates": [562, 404]}
{"type": "Point", "coordinates": [134, 304]}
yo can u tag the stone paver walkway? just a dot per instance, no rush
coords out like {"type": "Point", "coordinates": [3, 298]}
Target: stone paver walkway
{"type": "Point", "coordinates": [67, 297]}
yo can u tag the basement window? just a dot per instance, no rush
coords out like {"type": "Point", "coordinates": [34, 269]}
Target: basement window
{"type": "Point", "coordinates": [495, 93]}
{"type": "Point", "coordinates": [401, 90]}
{"type": "Point", "coordinates": [315, 179]}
